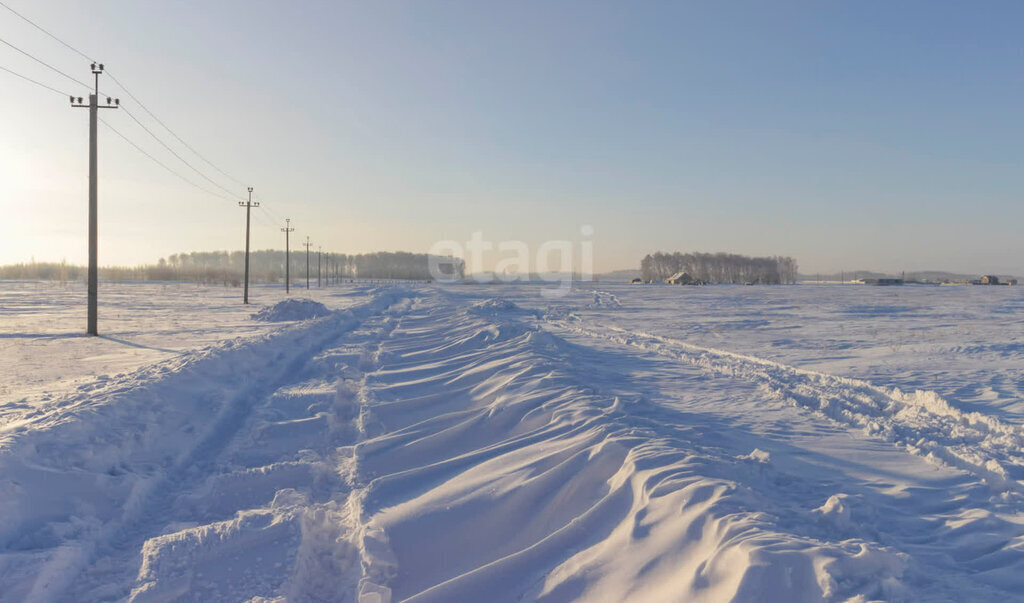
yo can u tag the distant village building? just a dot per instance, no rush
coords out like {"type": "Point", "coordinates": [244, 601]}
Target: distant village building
{"type": "Point", "coordinates": [1011, 281]}
{"type": "Point", "coordinates": [680, 278]}
{"type": "Point", "coordinates": [988, 279]}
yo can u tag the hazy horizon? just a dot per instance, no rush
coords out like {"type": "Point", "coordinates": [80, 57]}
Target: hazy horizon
{"type": "Point", "coordinates": [488, 271]}
{"type": "Point", "coordinates": [848, 136]}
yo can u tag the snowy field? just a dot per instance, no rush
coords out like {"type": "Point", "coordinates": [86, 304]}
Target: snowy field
{"type": "Point", "coordinates": [488, 443]}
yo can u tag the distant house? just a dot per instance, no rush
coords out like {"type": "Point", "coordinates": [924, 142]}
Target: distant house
{"type": "Point", "coordinates": [1011, 281]}
{"type": "Point", "coordinates": [680, 278]}
{"type": "Point", "coordinates": [988, 279]}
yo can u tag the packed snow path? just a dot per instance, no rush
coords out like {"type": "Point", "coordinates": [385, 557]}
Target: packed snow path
{"type": "Point", "coordinates": [431, 445]}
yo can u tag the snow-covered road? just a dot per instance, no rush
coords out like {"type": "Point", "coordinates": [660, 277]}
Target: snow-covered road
{"type": "Point", "coordinates": [436, 444]}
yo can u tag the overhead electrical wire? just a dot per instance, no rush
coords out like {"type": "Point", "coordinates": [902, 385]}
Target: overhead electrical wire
{"type": "Point", "coordinates": [40, 28]}
{"type": "Point", "coordinates": [180, 158]}
{"type": "Point", "coordinates": [125, 138]}
{"type": "Point", "coordinates": [178, 138]}
{"type": "Point", "coordinates": [269, 211]}
{"type": "Point", "coordinates": [162, 164]}
{"type": "Point", "coordinates": [45, 64]}
{"type": "Point", "coordinates": [120, 85]}
{"type": "Point", "coordinates": [272, 216]}
{"type": "Point", "coordinates": [266, 220]}
{"type": "Point", "coordinates": [28, 79]}
{"type": "Point", "coordinates": [233, 195]}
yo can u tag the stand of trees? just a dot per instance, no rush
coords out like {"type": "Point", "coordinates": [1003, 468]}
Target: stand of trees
{"type": "Point", "coordinates": [223, 267]}
{"type": "Point", "coordinates": [719, 268]}
{"type": "Point", "coordinates": [50, 271]}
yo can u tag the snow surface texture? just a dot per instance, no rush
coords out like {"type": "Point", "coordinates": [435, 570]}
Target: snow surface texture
{"type": "Point", "coordinates": [484, 443]}
{"type": "Point", "coordinates": [292, 309]}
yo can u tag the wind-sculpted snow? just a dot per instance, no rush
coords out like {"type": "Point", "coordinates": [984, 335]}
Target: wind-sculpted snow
{"type": "Point", "coordinates": [921, 421]}
{"type": "Point", "coordinates": [502, 477]}
{"type": "Point", "coordinates": [498, 306]}
{"type": "Point", "coordinates": [449, 445]}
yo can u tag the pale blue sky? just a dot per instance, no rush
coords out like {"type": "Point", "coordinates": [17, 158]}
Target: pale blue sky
{"type": "Point", "coordinates": [850, 135]}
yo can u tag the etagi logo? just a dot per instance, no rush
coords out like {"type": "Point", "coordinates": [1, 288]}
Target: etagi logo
{"type": "Point", "coordinates": [556, 262]}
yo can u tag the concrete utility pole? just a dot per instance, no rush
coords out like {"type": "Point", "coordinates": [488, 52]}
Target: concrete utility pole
{"type": "Point", "coordinates": [319, 250]}
{"type": "Point", "coordinates": [248, 205]}
{"type": "Point", "coordinates": [287, 262]}
{"type": "Point", "coordinates": [94, 272]}
{"type": "Point", "coordinates": [307, 245]}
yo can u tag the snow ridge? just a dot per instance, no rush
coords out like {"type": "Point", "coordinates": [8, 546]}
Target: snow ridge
{"type": "Point", "coordinates": [430, 445]}
{"type": "Point", "coordinates": [498, 475]}
{"type": "Point", "coordinates": [85, 479]}
{"type": "Point", "coordinates": [922, 421]}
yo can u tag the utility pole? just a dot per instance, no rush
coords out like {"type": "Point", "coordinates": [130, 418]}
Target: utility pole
{"type": "Point", "coordinates": [94, 106]}
{"type": "Point", "coordinates": [287, 261]}
{"type": "Point", "coordinates": [319, 250]}
{"type": "Point", "coordinates": [248, 205]}
{"type": "Point", "coordinates": [307, 245]}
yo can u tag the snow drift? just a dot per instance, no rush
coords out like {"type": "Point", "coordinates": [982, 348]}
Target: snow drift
{"type": "Point", "coordinates": [433, 445]}
{"type": "Point", "coordinates": [292, 309]}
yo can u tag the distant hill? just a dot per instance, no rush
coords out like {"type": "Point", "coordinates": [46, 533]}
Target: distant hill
{"type": "Point", "coordinates": [921, 275]}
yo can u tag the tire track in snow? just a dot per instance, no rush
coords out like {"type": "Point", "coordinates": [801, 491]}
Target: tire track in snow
{"type": "Point", "coordinates": [376, 560]}
{"type": "Point", "coordinates": [921, 422]}
{"type": "Point", "coordinates": [310, 524]}
{"type": "Point", "coordinates": [184, 418]}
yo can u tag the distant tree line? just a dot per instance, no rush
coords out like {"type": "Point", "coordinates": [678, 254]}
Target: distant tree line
{"type": "Point", "coordinates": [50, 271]}
{"type": "Point", "coordinates": [224, 267]}
{"type": "Point", "coordinates": [719, 268]}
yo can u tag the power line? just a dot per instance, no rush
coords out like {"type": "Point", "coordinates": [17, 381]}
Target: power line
{"type": "Point", "coordinates": [45, 64]}
{"type": "Point", "coordinates": [179, 139]}
{"type": "Point", "coordinates": [28, 79]}
{"type": "Point", "coordinates": [270, 212]}
{"type": "Point", "coordinates": [180, 158]}
{"type": "Point", "coordinates": [128, 92]}
{"type": "Point", "coordinates": [265, 219]}
{"type": "Point", "coordinates": [161, 164]}
{"type": "Point", "coordinates": [137, 101]}
{"type": "Point", "coordinates": [269, 216]}
{"type": "Point", "coordinates": [33, 24]}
